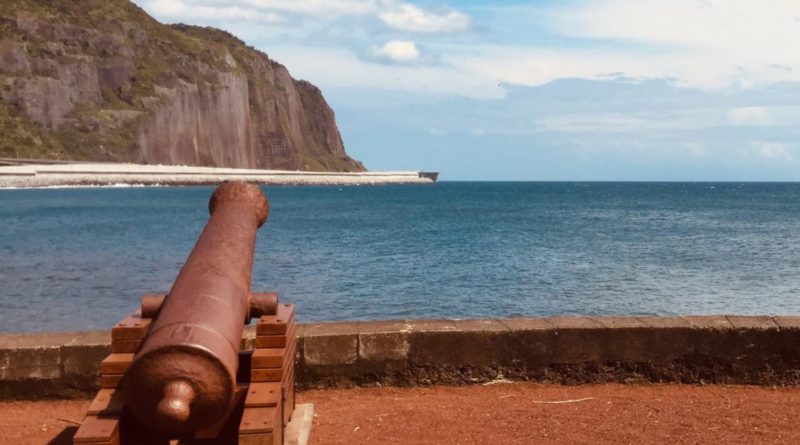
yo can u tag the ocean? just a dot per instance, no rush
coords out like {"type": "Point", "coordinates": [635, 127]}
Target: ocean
{"type": "Point", "coordinates": [80, 258]}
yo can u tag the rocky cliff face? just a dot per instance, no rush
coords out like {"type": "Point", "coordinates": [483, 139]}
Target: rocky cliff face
{"type": "Point", "coordinates": [101, 80]}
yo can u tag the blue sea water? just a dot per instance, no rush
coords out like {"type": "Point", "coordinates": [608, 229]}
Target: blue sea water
{"type": "Point", "coordinates": [81, 258]}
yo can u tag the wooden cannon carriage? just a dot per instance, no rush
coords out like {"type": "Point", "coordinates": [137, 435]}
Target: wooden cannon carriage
{"type": "Point", "coordinates": [176, 371]}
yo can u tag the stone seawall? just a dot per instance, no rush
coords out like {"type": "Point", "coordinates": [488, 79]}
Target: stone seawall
{"type": "Point", "coordinates": [760, 350]}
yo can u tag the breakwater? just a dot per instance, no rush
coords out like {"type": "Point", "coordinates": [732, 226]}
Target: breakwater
{"type": "Point", "coordinates": [760, 350]}
{"type": "Point", "coordinates": [86, 174]}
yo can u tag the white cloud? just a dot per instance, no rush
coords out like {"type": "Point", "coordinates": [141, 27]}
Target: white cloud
{"type": "Point", "coordinates": [344, 69]}
{"type": "Point", "coordinates": [776, 151]}
{"type": "Point", "coordinates": [344, 7]}
{"type": "Point", "coordinates": [742, 26]}
{"type": "Point", "coordinates": [709, 43]}
{"type": "Point", "coordinates": [532, 66]}
{"type": "Point", "coordinates": [399, 15]}
{"type": "Point", "coordinates": [407, 17]}
{"type": "Point", "coordinates": [399, 51]}
{"type": "Point", "coordinates": [695, 149]}
{"type": "Point", "coordinates": [596, 122]}
{"type": "Point", "coordinates": [166, 7]}
{"type": "Point", "coordinates": [187, 11]}
{"type": "Point", "coordinates": [650, 119]}
{"type": "Point", "coordinates": [760, 116]}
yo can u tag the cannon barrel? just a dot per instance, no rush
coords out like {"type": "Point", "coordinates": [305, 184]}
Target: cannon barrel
{"type": "Point", "coordinates": [184, 376]}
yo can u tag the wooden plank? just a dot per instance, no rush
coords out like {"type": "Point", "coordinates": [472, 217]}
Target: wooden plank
{"type": "Point", "coordinates": [110, 380]}
{"type": "Point", "coordinates": [263, 395]}
{"type": "Point", "coordinates": [260, 420]}
{"type": "Point", "coordinates": [256, 439]}
{"type": "Point", "coordinates": [103, 429]}
{"type": "Point", "coordinates": [288, 374]}
{"type": "Point", "coordinates": [275, 341]}
{"type": "Point", "coordinates": [287, 387]}
{"type": "Point", "coordinates": [275, 374]}
{"type": "Point", "coordinates": [281, 423]}
{"type": "Point", "coordinates": [125, 346]}
{"type": "Point", "coordinates": [290, 406]}
{"type": "Point", "coordinates": [266, 375]}
{"type": "Point", "coordinates": [108, 401]}
{"type": "Point", "coordinates": [268, 358]}
{"type": "Point", "coordinates": [264, 358]}
{"type": "Point", "coordinates": [114, 441]}
{"type": "Point", "coordinates": [276, 324]}
{"type": "Point", "coordinates": [133, 327]}
{"type": "Point", "coordinates": [116, 364]}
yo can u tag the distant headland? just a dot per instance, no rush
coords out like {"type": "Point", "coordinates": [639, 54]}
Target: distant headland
{"type": "Point", "coordinates": [102, 81]}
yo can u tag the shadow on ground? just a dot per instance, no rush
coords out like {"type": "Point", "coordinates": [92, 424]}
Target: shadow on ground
{"type": "Point", "coordinates": [64, 437]}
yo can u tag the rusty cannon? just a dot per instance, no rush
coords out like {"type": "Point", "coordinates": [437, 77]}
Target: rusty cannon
{"type": "Point", "coordinates": [176, 370]}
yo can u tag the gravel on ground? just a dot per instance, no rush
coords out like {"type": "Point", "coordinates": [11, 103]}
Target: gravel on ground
{"type": "Point", "coordinates": [508, 413]}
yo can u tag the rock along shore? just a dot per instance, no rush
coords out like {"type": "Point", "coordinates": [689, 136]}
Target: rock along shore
{"type": "Point", "coordinates": [60, 175]}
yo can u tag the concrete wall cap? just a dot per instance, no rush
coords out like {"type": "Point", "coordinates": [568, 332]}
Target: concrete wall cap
{"type": "Point", "coordinates": [433, 326]}
{"type": "Point", "coordinates": [787, 322]}
{"type": "Point", "coordinates": [480, 326]}
{"type": "Point", "coordinates": [665, 322]}
{"type": "Point", "coordinates": [575, 323]}
{"type": "Point", "coordinates": [90, 338]}
{"type": "Point", "coordinates": [709, 322]}
{"type": "Point", "coordinates": [331, 329]}
{"type": "Point", "coordinates": [622, 322]}
{"type": "Point", "coordinates": [527, 324]}
{"type": "Point", "coordinates": [38, 340]}
{"type": "Point", "coordinates": [384, 326]}
{"type": "Point", "coordinates": [761, 323]}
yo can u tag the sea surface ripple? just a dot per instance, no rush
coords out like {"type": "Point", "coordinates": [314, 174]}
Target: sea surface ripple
{"type": "Point", "coordinates": [75, 259]}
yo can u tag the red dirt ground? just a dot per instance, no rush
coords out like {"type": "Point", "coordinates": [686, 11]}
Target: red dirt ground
{"type": "Point", "coordinates": [502, 413]}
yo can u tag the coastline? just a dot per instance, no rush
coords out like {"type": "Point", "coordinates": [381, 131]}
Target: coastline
{"type": "Point", "coordinates": [99, 175]}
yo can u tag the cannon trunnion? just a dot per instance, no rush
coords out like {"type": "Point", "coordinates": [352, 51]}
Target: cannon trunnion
{"type": "Point", "coordinates": [176, 370]}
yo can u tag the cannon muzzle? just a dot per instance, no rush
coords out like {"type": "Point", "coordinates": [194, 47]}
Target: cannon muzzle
{"type": "Point", "coordinates": [184, 376]}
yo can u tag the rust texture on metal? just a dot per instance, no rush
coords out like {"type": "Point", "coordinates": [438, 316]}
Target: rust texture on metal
{"type": "Point", "coordinates": [184, 376]}
{"type": "Point", "coordinates": [151, 305]}
{"type": "Point", "coordinates": [261, 304]}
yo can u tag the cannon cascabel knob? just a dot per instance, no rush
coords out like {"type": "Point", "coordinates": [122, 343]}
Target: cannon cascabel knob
{"type": "Point", "coordinates": [175, 407]}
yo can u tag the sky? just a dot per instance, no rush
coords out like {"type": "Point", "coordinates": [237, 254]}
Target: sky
{"type": "Point", "coordinates": [620, 90]}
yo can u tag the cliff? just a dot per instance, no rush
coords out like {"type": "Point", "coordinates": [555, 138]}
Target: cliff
{"type": "Point", "coordinates": [101, 80]}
